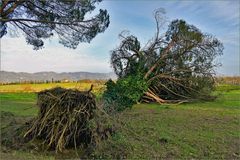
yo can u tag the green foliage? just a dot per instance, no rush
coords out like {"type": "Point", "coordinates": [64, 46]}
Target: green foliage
{"type": "Point", "coordinates": [124, 93]}
{"type": "Point", "coordinates": [43, 19]}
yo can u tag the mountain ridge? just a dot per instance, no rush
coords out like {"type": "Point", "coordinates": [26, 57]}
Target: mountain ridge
{"type": "Point", "coordinates": [9, 76]}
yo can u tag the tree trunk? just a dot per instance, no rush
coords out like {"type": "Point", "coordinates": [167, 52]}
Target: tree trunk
{"type": "Point", "coordinates": [155, 97]}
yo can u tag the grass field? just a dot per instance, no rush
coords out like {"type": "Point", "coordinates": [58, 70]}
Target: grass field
{"type": "Point", "coordinates": [200, 130]}
{"type": "Point", "coordinates": [13, 88]}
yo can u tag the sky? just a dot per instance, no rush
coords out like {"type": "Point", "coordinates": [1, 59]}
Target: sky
{"type": "Point", "coordinates": [220, 18]}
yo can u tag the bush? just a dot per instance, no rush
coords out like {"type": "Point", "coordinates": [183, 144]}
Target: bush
{"type": "Point", "coordinates": [124, 92]}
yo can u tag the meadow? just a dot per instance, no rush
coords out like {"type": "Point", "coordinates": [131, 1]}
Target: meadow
{"type": "Point", "coordinates": [199, 130]}
{"type": "Point", "coordinates": [36, 87]}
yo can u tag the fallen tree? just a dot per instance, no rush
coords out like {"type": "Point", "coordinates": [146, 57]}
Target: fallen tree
{"type": "Point", "coordinates": [177, 66]}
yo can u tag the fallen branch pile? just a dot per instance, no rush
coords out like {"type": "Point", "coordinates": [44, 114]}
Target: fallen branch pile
{"type": "Point", "coordinates": [63, 118]}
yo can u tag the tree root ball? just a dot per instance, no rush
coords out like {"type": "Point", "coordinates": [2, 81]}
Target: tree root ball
{"type": "Point", "coordinates": [63, 118]}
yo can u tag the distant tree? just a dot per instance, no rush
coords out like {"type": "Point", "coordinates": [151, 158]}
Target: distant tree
{"type": "Point", "coordinates": [40, 19]}
{"type": "Point", "coordinates": [177, 66]}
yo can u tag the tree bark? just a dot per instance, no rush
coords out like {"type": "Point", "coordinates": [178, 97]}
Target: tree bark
{"type": "Point", "coordinates": [150, 94]}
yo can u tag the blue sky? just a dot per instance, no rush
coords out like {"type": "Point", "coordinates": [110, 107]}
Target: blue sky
{"type": "Point", "coordinates": [219, 18]}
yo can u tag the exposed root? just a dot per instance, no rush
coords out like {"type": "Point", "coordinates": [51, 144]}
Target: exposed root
{"type": "Point", "coordinates": [65, 119]}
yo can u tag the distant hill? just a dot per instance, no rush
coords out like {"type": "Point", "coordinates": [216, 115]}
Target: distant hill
{"type": "Point", "coordinates": [6, 77]}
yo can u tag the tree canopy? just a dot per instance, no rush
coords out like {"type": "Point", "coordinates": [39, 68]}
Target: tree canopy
{"type": "Point", "coordinates": [177, 66]}
{"type": "Point", "coordinates": [40, 19]}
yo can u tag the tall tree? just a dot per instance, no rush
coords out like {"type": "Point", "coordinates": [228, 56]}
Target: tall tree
{"type": "Point", "coordinates": [40, 19]}
{"type": "Point", "coordinates": [177, 66]}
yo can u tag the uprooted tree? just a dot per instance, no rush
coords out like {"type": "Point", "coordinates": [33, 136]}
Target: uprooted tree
{"type": "Point", "coordinates": [40, 19]}
{"type": "Point", "coordinates": [177, 66]}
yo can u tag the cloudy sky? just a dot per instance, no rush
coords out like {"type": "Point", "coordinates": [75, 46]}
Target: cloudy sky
{"type": "Point", "coordinates": [220, 18]}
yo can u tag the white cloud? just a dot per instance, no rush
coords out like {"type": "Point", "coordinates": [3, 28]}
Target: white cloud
{"type": "Point", "coordinates": [16, 55]}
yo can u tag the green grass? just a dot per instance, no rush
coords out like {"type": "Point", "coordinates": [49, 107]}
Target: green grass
{"type": "Point", "coordinates": [199, 130]}
{"type": "Point", "coordinates": [183, 132]}
{"type": "Point", "coordinates": [21, 155]}
{"type": "Point", "coordinates": [20, 104]}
